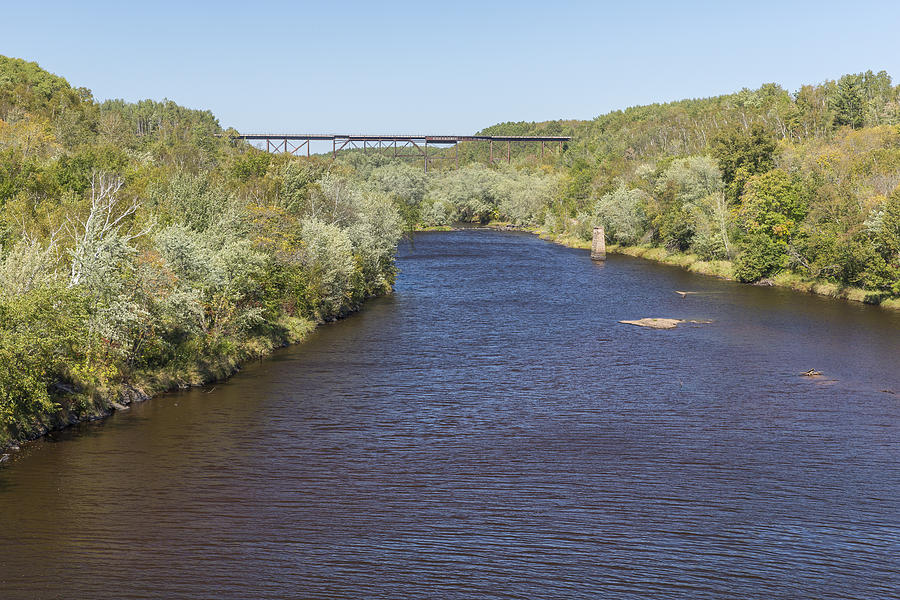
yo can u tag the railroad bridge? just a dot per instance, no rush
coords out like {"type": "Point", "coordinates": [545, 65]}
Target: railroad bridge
{"type": "Point", "coordinates": [402, 146]}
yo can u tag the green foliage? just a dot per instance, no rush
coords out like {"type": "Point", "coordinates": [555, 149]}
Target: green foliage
{"type": "Point", "coordinates": [252, 163]}
{"type": "Point", "coordinates": [675, 227]}
{"type": "Point", "coordinates": [682, 207]}
{"type": "Point", "coordinates": [195, 251]}
{"type": "Point", "coordinates": [741, 155]}
{"type": "Point", "coordinates": [478, 194]}
{"type": "Point", "coordinates": [328, 257]}
{"type": "Point", "coordinates": [794, 181]}
{"type": "Point", "coordinates": [885, 227]}
{"type": "Point", "coordinates": [578, 183]}
{"type": "Point", "coordinates": [28, 264]}
{"type": "Point", "coordinates": [136, 244]}
{"type": "Point", "coordinates": [198, 202]}
{"type": "Point", "coordinates": [760, 256]}
{"type": "Point", "coordinates": [621, 213]}
{"type": "Point", "coordinates": [42, 334]}
{"type": "Point", "coordinates": [27, 87]}
{"type": "Point", "coordinates": [861, 99]}
{"type": "Point", "coordinates": [374, 235]}
{"type": "Point", "coordinates": [773, 204]}
{"type": "Point", "coordinates": [16, 174]}
{"type": "Point", "coordinates": [848, 102]}
{"type": "Point", "coordinates": [297, 182]}
{"type": "Point", "coordinates": [835, 256]}
{"type": "Point", "coordinates": [73, 171]}
{"type": "Point", "coordinates": [883, 269]}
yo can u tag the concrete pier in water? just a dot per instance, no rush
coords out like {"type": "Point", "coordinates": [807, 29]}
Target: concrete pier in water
{"type": "Point", "coordinates": [598, 244]}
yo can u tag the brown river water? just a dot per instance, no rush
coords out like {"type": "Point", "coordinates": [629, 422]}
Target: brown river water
{"type": "Point", "coordinates": [492, 431]}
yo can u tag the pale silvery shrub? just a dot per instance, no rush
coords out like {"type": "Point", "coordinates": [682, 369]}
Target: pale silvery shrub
{"type": "Point", "coordinates": [525, 194]}
{"type": "Point", "coordinates": [29, 264]}
{"type": "Point", "coordinates": [374, 236]}
{"type": "Point", "coordinates": [216, 279]}
{"type": "Point", "coordinates": [333, 200]}
{"type": "Point", "coordinates": [328, 254]}
{"type": "Point", "coordinates": [695, 177]}
{"type": "Point", "coordinates": [195, 201]}
{"type": "Point", "coordinates": [437, 212]}
{"type": "Point", "coordinates": [621, 214]}
{"type": "Point", "coordinates": [403, 181]}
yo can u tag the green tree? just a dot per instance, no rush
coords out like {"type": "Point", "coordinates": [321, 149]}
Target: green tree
{"type": "Point", "coordinates": [742, 154]}
{"type": "Point", "coordinates": [773, 204]}
{"type": "Point", "coordinates": [760, 256]}
{"type": "Point", "coordinates": [849, 102]}
{"type": "Point", "coordinates": [621, 213]}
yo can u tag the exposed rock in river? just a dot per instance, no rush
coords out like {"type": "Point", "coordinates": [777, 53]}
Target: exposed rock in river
{"type": "Point", "coordinates": [657, 323]}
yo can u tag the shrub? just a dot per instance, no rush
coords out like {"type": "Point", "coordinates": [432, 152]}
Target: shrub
{"type": "Point", "coordinates": [760, 256]}
{"type": "Point", "coordinates": [328, 255]}
{"type": "Point", "coordinates": [772, 204]}
{"type": "Point", "coordinates": [622, 215]}
{"type": "Point", "coordinates": [42, 337]}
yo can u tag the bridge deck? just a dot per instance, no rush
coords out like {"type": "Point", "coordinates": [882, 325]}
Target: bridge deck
{"type": "Point", "coordinates": [397, 144]}
{"type": "Point", "coordinates": [431, 139]}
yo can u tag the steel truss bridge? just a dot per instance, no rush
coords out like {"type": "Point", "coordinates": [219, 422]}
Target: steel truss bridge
{"type": "Point", "coordinates": [403, 146]}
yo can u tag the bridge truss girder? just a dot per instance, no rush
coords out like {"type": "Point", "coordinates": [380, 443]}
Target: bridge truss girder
{"type": "Point", "coordinates": [400, 146]}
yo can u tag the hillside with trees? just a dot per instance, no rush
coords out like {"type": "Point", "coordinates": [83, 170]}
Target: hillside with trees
{"type": "Point", "coordinates": [775, 184]}
{"type": "Point", "coordinates": [140, 250]}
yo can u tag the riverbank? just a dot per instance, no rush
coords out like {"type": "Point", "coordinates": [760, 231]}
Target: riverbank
{"type": "Point", "coordinates": [724, 269]}
{"type": "Point", "coordinates": [77, 406]}
{"type": "Point", "coordinates": [80, 406]}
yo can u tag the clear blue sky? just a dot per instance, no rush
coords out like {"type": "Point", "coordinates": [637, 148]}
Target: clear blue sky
{"type": "Point", "coordinates": [442, 67]}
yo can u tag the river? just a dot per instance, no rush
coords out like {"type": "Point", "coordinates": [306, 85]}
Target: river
{"type": "Point", "coordinates": [491, 431]}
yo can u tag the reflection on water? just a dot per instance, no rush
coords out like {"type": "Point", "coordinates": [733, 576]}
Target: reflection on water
{"type": "Point", "coordinates": [492, 431]}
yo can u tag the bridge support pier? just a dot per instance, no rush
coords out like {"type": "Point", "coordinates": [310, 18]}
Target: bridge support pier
{"type": "Point", "coordinates": [598, 244]}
